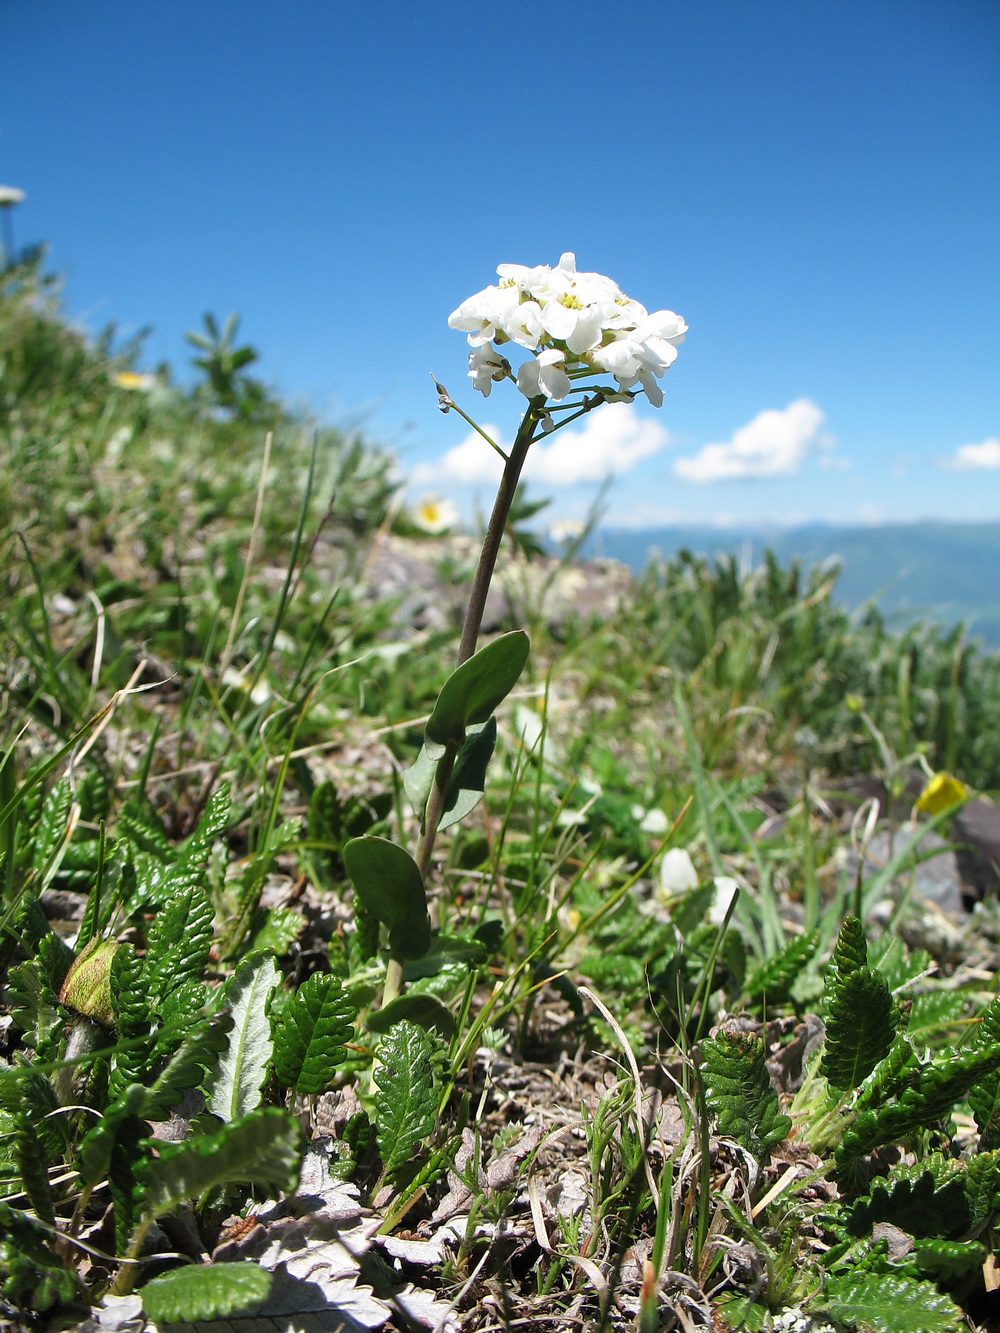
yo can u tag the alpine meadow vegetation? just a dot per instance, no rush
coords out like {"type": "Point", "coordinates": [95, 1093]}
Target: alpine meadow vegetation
{"type": "Point", "coordinates": [493, 970]}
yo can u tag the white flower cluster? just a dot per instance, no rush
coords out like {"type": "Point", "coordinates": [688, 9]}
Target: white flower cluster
{"type": "Point", "coordinates": [577, 325]}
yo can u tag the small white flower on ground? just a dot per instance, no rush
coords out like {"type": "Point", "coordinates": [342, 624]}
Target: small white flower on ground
{"type": "Point", "coordinates": [653, 821]}
{"type": "Point", "coordinates": [677, 872]}
{"type": "Point", "coordinates": [726, 889]}
{"type": "Point", "coordinates": [238, 680]}
{"type": "Point", "coordinates": [434, 515]}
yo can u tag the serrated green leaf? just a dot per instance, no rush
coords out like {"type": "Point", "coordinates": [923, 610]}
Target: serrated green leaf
{"type": "Point", "coordinates": [205, 1291]}
{"type": "Point", "coordinates": [931, 1094]}
{"type": "Point", "coordinates": [278, 928]}
{"type": "Point", "coordinates": [773, 977]}
{"type": "Point", "coordinates": [982, 1189]}
{"type": "Point", "coordinates": [179, 941]}
{"type": "Point", "coordinates": [889, 1304]}
{"type": "Point", "coordinates": [33, 1168]}
{"type": "Point", "coordinates": [984, 1096]}
{"type": "Point", "coordinates": [210, 826]}
{"type": "Point", "coordinates": [51, 826]}
{"type": "Point", "coordinates": [924, 1199]}
{"type": "Point", "coordinates": [94, 1153]}
{"type": "Point", "coordinates": [851, 950]}
{"type": "Point", "coordinates": [23, 1091]}
{"type": "Point", "coordinates": [139, 821]}
{"type": "Point", "coordinates": [201, 1044]}
{"type": "Point", "coordinates": [472, 691]}
{"type": "Point", "coordinates": [34, 1276]}
{"type": "Point", "coordinates": [310, 1034]}
{"type": "Point", "coordinates": [947, 1259]}
{"type": "Point", "coordinates": [128, 993]}
{"type": "Point", "coordinates": [235, 1085]}
{"type": "Point", "coordinates": [262, 1148]}
{"type": "Point", "coordinates": [34, 1006]}
{"type": "Point", "coordinates": [739, 1092]}
{"type": "Point", "coordinates": [860, 1027]}
{"type": "Point", "coordinates": [55, 957]}
{"type": "Point", "coordinates": [406, 1101]}
{"type": "Point", "coordinates": [739, 1311]}
{"type": "Point", "coordinates": [388, 883]}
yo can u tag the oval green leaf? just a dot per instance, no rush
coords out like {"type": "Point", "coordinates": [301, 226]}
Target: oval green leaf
{"type": "Point", "coordinates": [472, 691]}
{"type": "Point", "coordinates": [390, 887]}
{"type": "Point", "coordinates": [205, 1292]}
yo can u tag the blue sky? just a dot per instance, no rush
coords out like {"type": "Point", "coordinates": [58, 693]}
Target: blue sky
{"type": "Point", "coordinates": [814, 186]}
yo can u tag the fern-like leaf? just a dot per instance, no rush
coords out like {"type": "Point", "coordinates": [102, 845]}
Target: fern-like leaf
{"type": "Point", "coordinates": [926, 1199]}
{"type": "Point", "coordinates": [198, 1052]}
{"type": "Point", "coordinates": [128, 1154]}
{"type": "Point", "coordinates": [139, 822]}
{"type": "Point", "coordinates": [984, 1097]}
{"type": "Point", "coordinates": [261, 1148]}
{"type": "Point", "coordinates": [235, 1085]}
{"type": "Point", "coordinates": [860, 1027]}
{"type": "Point", "coordinates": [51, 826]}
{"type": "Point", "coordinates": [35, 1007]}
{"type": "Point", "coordinates": [211, 825]}
{"type": "Point", "coordinates": [179, 941]}
{"type": "Point", "coordinates": [33, 1167]}
{"type": "Point", "coordinates": [739, 1091]}
{"type": "Point", "coordinates": [889, 1304]}
{"type": "Point", "coordinates": [33, 1275]}
{"type": "Point", "coordinates": [944, 1260]}
{"type": "Point", "coordinates": [93, 1156]}
{"type": "Point", "coordinates": [850, 953]}
{"type": "Point", "coordinates": [406, 1101]}
{"type": "Point", "coordinates": [23, 1091]}
{"type": "Point", "coordinates": [899, 1068]}
{"type": "Point", "coordinates": [309, 1037]}
{"type": "Point", "coordinates": [773, 977]}
{"type": "Point", "coordinates": [205, 1291]}
{"type": "Point", "coordinates": [982, 1187]}
{"type": "Point", "coordinates": [931, 1095]}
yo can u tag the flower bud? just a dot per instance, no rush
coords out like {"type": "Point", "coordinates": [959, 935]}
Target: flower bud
{"type": "Point", "coordinates": [87, 988]}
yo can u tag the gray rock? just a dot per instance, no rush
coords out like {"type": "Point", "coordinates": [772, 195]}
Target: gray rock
{"type": "Point", "coordinates": [976, 830]}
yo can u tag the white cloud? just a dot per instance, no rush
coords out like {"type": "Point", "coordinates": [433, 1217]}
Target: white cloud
{"type": "Point", "coordinates": [773, 444]}
{"type": "Point", "coordinates": [968, 456]}
{"type": "Point", "coordinates": [611, 439]}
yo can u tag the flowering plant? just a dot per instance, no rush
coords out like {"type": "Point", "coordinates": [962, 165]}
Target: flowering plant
{"type": "Point", "coordinates": [578, 325]}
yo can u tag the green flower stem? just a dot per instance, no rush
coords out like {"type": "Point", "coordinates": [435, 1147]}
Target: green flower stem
{"type": "Point", "coordinates": [513, 464]}
{"type": "Point", "coordinates": [393, 980]}
{"type": "Point", "coordinates": [474, 618]}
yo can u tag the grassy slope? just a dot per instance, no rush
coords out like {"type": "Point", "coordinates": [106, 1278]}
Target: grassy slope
{"type": "Point", "coordinates": [272, 668]}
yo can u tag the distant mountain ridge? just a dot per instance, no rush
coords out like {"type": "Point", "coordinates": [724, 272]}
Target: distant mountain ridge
{"type": "Point", "coordinates": [945, 572]}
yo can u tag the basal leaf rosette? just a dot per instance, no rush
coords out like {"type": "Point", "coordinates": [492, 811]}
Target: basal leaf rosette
{"type": "Point", "coordinates": [577, 325]}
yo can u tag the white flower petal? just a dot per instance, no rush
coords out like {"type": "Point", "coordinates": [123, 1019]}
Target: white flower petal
{"type": "Point", "coordinates": [677, 872]}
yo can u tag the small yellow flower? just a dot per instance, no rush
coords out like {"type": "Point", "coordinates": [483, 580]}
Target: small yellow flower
{"type": "Point", "coordinates": [941, 793]}
{"type": "Point", "coordinates": [132, 379]}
